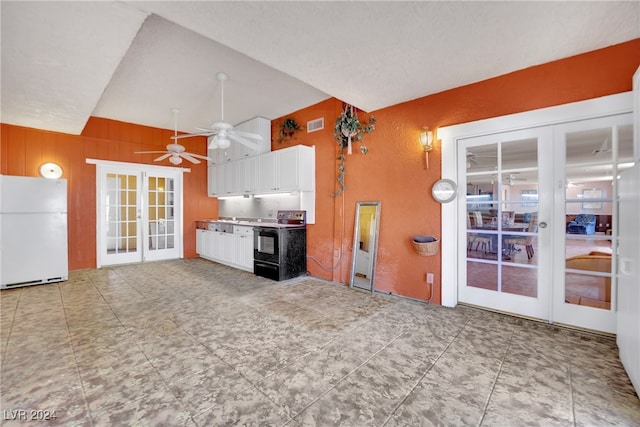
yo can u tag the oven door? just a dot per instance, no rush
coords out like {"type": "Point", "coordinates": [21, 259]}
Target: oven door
{"type": "Point", "coordinates": [265, 243]}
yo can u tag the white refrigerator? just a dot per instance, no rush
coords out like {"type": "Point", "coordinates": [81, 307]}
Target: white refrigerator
{"type": "Point", "coordinates": [33, 231]}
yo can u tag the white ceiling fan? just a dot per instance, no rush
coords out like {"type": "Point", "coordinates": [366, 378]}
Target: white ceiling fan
{"type": "Point", "coordinates": [176, 152]}
{"type": "Point", "coordinates": [511, 179]}
{"type": "Point", "coordinates": [223, 132]}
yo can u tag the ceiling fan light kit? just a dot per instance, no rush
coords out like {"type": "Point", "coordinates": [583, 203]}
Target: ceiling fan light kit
{"type": "Point", "coordinates": [175, 152]}
{"type": "Point", "coordinates": [221, 133]}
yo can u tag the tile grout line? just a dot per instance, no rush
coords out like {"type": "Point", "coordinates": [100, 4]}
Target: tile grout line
{"type": "Point", "coordinates": [495, 381]}
{"type": "Point", "coordinates": [346, 375]}
{"type": "Point", "coordinates": [75, 358]}
{"type": "Point", "coordinates": [13, 320]}
{"type": "Point", "coordinates": [288, 414]}
{"type": "Point", "coordinates": [386, 421]}
{"type": "Point", "coordinates": [571, 394]}
{"type": "Point", "coordinates": [127, 280]}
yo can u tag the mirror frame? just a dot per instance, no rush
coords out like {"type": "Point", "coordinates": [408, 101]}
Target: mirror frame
{"type": "Point", "coordinates": [356, 240]}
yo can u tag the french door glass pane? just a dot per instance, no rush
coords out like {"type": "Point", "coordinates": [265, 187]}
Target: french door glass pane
{"type": "Point", "coordinates": [502, 208]}
{"type": "Point", "coordinates": [161, 196]}
{"type": "Point", "coordinates": [589, 196]}
{"type": "Point", "coordinates": [482, 275]}
{"type": "Point", "coordinates": [121, 208]}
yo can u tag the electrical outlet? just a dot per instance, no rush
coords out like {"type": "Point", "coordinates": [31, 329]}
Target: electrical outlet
{"type": "Point", "coordinates": [430, 278]}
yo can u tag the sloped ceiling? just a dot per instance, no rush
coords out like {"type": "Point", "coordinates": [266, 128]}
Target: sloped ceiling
{"type": "Point", "coordinates": [134, 61]}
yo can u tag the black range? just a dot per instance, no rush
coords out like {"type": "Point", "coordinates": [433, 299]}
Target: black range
{"type": "Point", "coordinates": [280, 249]}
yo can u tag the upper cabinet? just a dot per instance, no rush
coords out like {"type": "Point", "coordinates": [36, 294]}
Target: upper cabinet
{"type": "Point", "coordinates": [286, 170]}
{"type": "Point", "coordinates": [237, 151]}
{"type": "Point", "coordinates": [282, 171]}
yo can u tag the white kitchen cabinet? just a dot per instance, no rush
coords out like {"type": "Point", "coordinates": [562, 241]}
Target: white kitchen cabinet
{"type": "Point", "coordinates": [258, 125]}
{"type": "Point", "coordinates": [243, 247]}
{"type": "Point", "coordinates": [286, 170]}
{"type": "Point", "coordinates": [222, 247]}
{"type": "Point", "coordinates": [201, 237]}
{"type": "Point", "coordinates": [266, 175]}
{"type": "Point", "coordinates": [232, 249]}
{"type": "Point", "coordinates": [212, 181]}
{"type": "Point", "coordinates": [245, 175]}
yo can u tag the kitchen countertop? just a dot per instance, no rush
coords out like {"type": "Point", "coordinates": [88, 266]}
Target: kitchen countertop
{"type": "Point", "coordinates": [270, 223]}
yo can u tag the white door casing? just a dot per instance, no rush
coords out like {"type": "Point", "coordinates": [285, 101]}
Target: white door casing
{"type": "Point", "coordinates": [451, 138]}
{"type": "Point", "coordinates": [148, 212]}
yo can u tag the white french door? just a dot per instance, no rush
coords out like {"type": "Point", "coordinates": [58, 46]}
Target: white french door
{"type": "Point", "coordinates": [504, 251]}
{"type": "Point", "coordinates": [589, 156]}
{"type": "Point", "coordinates": [538, 228]}
{"type": "Point", "coordinates": [138, 213]}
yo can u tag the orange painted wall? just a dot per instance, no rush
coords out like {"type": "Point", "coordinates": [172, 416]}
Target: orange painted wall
{"type": "Point", "coordinates": [393, 172]}
{"type": "Point", "coordinates": [23, 150]}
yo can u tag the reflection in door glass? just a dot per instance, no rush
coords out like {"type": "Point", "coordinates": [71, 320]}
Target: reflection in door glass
{"type": "Point", "coordinates": [594, 158]}
{"type": "Point", "coordinates": [502, 217]}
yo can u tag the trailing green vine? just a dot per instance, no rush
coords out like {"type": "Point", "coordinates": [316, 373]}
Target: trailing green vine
{"type": "Point", "coordinates": [347, 131]}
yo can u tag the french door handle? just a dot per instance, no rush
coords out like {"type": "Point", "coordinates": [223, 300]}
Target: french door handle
{"type": "Point", "coordinates": [542, 225]}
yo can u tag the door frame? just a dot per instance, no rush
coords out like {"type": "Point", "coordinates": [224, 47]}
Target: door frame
{"type": "Point", "coordinates": [450, 135]}
{"type": "Point", "coordinates": [139, 168]}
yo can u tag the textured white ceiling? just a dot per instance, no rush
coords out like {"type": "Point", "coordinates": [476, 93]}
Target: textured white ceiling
{"type": "Point", "coordinates": [134, 61]}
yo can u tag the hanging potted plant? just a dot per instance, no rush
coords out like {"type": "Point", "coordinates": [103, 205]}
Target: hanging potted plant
{"type": "Point", "coordinates": [288, 128]}
{"type": "Point", "coordinates": [348, 130]}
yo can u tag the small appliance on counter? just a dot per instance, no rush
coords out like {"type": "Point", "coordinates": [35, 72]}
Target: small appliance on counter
{"type": "Point", "coordinates": [280, 249]}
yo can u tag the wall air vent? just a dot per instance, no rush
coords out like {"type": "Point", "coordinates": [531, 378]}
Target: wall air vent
{"type": "Point", "coordinates": [314, 125]}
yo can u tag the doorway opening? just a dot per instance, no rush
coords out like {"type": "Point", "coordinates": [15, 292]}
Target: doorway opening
{"type": "Point", "coordinates": [139, 213]}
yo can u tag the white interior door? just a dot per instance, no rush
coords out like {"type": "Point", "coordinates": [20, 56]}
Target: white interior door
{"type": "Point", "coordinates": [540, 238]}
{"type": "Point", "coordinates": [589, 155]}
{"type": "Point", "coordinates": [504, 251]}
{"type": "Point", "coordinates": [139, 213]}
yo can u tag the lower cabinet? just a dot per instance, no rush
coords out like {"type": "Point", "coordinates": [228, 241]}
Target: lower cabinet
{"type": "Point", "coordinates": [234, 250]}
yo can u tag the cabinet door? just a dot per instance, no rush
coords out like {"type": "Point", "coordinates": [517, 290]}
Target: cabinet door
{"type": "Point", "coordinates": [209, 242]}
{"type": "Point", "coordinates": [243, 252]}
{"type": "Point", "coordinates": [226, 241]}
{"type": "Point", "coordinates": [200, 241]}
{"type": "Point", "coordinates": [224, 183]}
{"type": "Point", "coordinates": [215, 245]}
{"type": "Point", "coordinates": [249, 181]}
{"type": "Point", "coordinates": [287, 169]}
{"type": "Point", "coordinates": [216, 155]}
{"type": "Point", "coordinates": [260, 126]}
{"type": "Point", "coordinates": [247, 249]}
{"type": "Point", "coordinates": [267, 172]}
{"type": "Point", "coordinates": [212, 181]}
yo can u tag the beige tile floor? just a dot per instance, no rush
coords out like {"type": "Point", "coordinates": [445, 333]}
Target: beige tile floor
{"type": "Point", "coordinates": [191, 342]}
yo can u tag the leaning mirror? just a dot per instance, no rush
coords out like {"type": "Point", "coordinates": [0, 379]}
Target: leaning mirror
{"type": "Point", "coordinates": [365, 245]}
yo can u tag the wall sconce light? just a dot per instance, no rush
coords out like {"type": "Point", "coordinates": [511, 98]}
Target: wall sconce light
{"type": "Point", "coordinates": [426, 140]}
{"type": "Point", "coordinates": [50, 170]}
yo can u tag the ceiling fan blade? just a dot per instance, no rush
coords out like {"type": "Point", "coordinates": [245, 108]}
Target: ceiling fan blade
{"type": "Point", "coordinates": [189, 135]}
{"type": "Point", "coordinates": [148, 152]}
{"type": "Point", "coordinates": [248, 134]}
{"type": "Point", "coordinates": [189, 157]}
{"type": "Point", "coordinates": [161, 158]}
{"type": "Point", "coordinates": [241, 140]}
{"type": "Point", "coordinates": [198, 156]}
{"type": "Point", "coordinates": [209, 130]}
